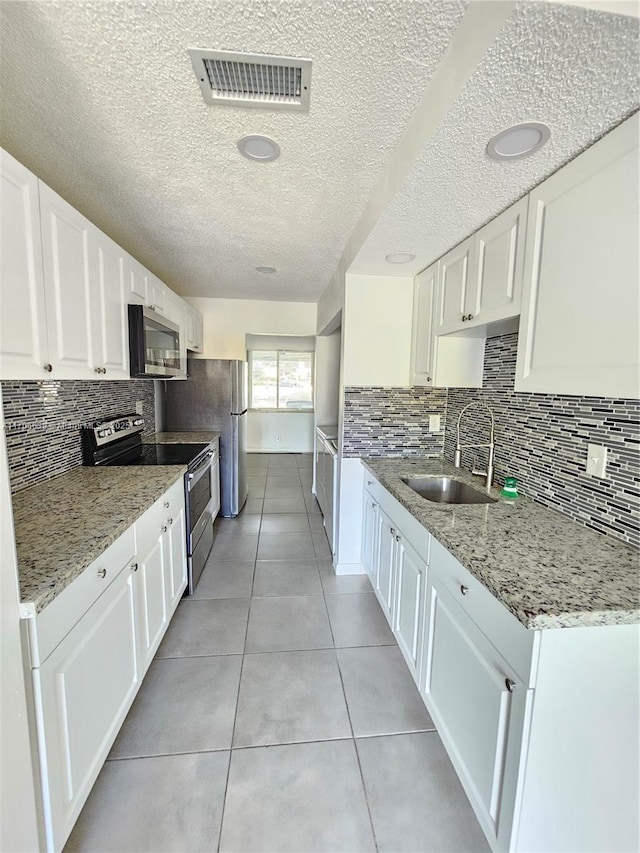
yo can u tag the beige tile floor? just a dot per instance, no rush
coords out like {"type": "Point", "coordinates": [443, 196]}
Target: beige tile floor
{"type": "Point", "coordinates": [278, 714]}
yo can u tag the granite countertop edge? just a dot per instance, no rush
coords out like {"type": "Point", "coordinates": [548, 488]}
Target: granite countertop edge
{"type": "Point", "coordinates": [51, 555]}
{"type": "Point", "coordinates": [194, 436]}
{"type": "Point", "coordinates": [516, 591]}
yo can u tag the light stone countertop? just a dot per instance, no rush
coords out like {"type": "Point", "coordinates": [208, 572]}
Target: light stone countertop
{"type": "Point", "coordinates": [186, 437]}
{"type": "Point", "coordinates": [64, 524]}
{"type": "Point", "coordinates": [549, 571]}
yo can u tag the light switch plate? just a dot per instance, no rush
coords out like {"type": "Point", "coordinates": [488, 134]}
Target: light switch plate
{"type": "Point", "coordinates": [434, 423]}
{"type": "Point", "coordinates": [596, 460]}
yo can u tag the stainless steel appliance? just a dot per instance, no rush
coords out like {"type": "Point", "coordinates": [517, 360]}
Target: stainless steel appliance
{"type": "Point", "coordinates": [119, 442]}
{"type": "Point", "coordinates": [154, 344]}
{"type": "Point", "coordinates": [214, 397]}
{"type": "Point", "coordinates": [326, 477]}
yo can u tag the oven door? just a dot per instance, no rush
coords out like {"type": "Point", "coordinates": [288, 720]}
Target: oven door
{"type": "Point", "coordinates": [199, 500]}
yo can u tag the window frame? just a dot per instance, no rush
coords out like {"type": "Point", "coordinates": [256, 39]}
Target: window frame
{"type": "Point", "coordinates": [277, 352]}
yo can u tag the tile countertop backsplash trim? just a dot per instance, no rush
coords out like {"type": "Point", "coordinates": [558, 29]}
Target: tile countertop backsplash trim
{"type": "Point", "coordinates": [546, 570]}
{"type": "Point", "coordinates": [43, 420]}
{"type": "Point", "coordinates": [67, 522]}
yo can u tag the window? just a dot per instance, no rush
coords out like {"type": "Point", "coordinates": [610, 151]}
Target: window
{"type": "Point", "coordinates": [281, 380]}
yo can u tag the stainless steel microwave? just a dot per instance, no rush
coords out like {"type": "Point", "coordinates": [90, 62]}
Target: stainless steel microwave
{"type": "Point", "coordinates": [154, 344]}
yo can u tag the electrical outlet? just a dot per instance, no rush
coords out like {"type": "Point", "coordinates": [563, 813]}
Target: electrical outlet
{"type": "Point", "coordinates": [596, 460]}
{"type": "Point", "coordinates": [140, 408]}
{"type": "Point", "coordinates": [277, 438]}
{"type": "Point", "coordinates": [434, 423]}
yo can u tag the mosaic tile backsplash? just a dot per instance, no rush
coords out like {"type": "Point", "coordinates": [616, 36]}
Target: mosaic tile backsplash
{"type": "Point", "coordinates": [392, 421]}
{"type": "Point", "coordinates": [542, 440]}
{"type": "Point", "coordinates": [43, 420]}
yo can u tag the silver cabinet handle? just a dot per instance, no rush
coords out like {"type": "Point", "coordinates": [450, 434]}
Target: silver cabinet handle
{"type": "Point", "coordinates": [164, 528]}
{"type": "Point", "coordinates": [166, 504]}
{"type": "Point", "coordinates": [464, 589]}
{"type": "Point", "coordinates": [102, 573]}
{"type": "Point", "coordinates": [509, 684]}
{"type": "Point", "coordinates": [397, 538]}
{"type": "Point", "coordinates": [170, 521]}
{"type": "Point", "coordinates": [48, 368]}
{"type": "Point", "coordinates": [373, 504]}
{"type": "Point", "coordinates": [101, 369]}
{"type": "Point", "coordinates": [134, 567]}
{"type": "Point", "coordinates": [429, 379]}
{"type": "Point", "coordinates": [369, 482]}
{"type": "Point", "coordinates": [393, 531]}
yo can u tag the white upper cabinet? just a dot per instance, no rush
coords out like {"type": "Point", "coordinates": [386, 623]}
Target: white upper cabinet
{"type": "Point", "coordinates": [70, 273]}
{"type": "Point", "coordinates": [23, 329]}
{"type": "Point", "coordinates": [580, 309]}
{"type": "Point", "coordinates": [157, 293]}
{"type": "Point", "coordinates": [446, 361]}
{"type": "Point", "coordinates": [113, 341]}
{"type": "Point", "coordinates": [453, 285]}
{"type": "Point", "coordinates": [194, 330]}
{"type": "Point", "coordinates": [495, 288]}
{"type": "Point", "coordinates": [65, 287]}
{"type": "Point", "coordinates": [423, 335]}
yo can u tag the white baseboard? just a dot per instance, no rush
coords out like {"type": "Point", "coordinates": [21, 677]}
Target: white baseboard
{"type": "Point", "coordinates": [350, 569]}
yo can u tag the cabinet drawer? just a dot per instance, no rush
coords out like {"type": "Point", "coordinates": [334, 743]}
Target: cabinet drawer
{"type": "Point", "coordinates": [51, 625]}
{"type": "Point", "coordinates": [508, 635]}
{"type": "Point", "coordinates": [149, 524]}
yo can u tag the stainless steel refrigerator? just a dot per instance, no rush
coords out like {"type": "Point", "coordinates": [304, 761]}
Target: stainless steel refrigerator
{"type": "Point", "coordinates": [214, 396]}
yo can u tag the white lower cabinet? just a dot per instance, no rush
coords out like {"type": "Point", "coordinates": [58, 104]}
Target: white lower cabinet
{"type": "Point", "coordinates": [541, 726]}
{"type": "Point", "coordinates": [90, 649]}
{"type": "Point", "coordinates": [83, 692]}
{"type": "Point", "coordinates": [478, 704]}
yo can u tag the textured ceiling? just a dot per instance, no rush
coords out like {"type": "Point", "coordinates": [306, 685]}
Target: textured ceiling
{"type": "Point", "coordinates": [99, 99]}
{"type": "Point", "coordinates": [575, 69]}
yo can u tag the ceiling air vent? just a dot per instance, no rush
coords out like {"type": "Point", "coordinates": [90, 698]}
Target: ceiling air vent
{"type": "Point", "coordinates": [252, 80]}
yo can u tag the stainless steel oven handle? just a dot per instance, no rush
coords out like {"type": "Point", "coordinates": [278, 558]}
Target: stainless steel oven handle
{"type": "Point", "coordinates": [203, 465]}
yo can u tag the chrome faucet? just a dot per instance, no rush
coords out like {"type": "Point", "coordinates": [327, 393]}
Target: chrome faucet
{"type": "Point", "coordinates": [460, 447]}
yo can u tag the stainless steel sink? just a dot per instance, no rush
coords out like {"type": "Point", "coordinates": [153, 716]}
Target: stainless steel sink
{"type": "Point", "coordinates": [446, 490]}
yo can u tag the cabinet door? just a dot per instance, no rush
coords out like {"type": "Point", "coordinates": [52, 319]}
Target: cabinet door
{"type": "Point", "coordinates": [175, 559]}
{"type": "Point", "coordinates": [478, 708]}
{"type": "Point", "coordinates": [156, 294]}
{"type": "Point", "coordinates": [369, 531]}
{"type": "Point", "coordinates": [83, 692]}
{"type": "Point", "coordinates": [23, 329]}
{"type": "Point", "coordinates": [453, 284]}
{"type": "Point", "coordinates": [385, 563]}
{"type": "Point", "coordinates": [111, 306]}
{"type": "Point", "coordinates": [408, 621]}
{"type": "Point", "coordinates": [151, 598]}
{"type": "Point", "coordinates": [579, 328]}
{"type": "Point", "coordinates": [498, 260]}
{"type": "Point", "coordinates": [70, 274]}
{"type": "Point", "coordinates": [422, 343]}
{"type": "Point", "coordinates": [136, 281]}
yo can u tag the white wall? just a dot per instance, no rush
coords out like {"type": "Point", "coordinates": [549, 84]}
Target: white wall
{"type": "Point", "coordinates": [227, 321]}
{"type": "Point", "coordinates": [280, 432]}
{"type": "Point", "coordinates": [18, 815]}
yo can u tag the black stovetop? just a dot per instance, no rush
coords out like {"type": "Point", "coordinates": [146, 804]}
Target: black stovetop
{"type": "Point", "coordinates": [166, 454]}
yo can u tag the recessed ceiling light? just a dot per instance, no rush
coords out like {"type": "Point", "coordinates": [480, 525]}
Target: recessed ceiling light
{"type": "Point", "coordinates": [518, 141]}
{"type": "Point", "coordinates": [260, 148]}
{"type": "Point", "coordinates": [400, 258]}
{"type": "Point", "coordinates": [266, 269]}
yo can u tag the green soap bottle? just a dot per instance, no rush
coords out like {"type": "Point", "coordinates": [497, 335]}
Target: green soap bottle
{"type": "Point", "coordinates": [510, 489]}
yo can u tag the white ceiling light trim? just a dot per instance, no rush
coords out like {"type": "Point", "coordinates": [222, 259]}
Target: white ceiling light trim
{"type": "Point", "coordinates": [262, 149]}
{"type": "Point", "coordinates": [518, 141]}
{"type": "Point", "coordinates": [400, 258]}
{"type": "Point", "coordinates": [252, 79]}
{"type": "Point", "coordinates": [266, 270]}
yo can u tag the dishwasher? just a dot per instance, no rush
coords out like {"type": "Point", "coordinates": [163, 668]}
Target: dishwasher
{"type": "Point", "coordinates": [327, 478]}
